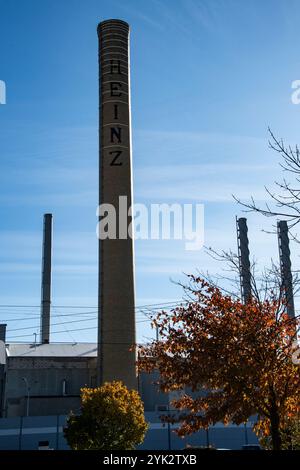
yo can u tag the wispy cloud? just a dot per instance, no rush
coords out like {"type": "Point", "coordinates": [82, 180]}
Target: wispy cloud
{"type": "Point", "coordinates": [52, 200]}
{"type": "Point", "coordinates": [201, 183]}
{"type": "Point", "coordinates": [137, 13]}
{"type": "Point", "coordinates": [204, 12]}
{"type": "Point", "coordinates": [230, 164]}
{"type": "Point", "coordinates": [172, 16]}
{"type": "Point", "coordinates": [19, 268]}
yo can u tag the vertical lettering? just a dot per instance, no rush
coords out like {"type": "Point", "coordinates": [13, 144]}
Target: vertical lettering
{"type": "Point", "coordinates": [115, 89]}
{"type": "Point", "coordinates": [116, 111]}
{"type": "Point", "coordinates": [114, 161]}
{"type": "Point", "coordinates": [115, 66]}
{"type": "Point", "coordinates": [115, 132]}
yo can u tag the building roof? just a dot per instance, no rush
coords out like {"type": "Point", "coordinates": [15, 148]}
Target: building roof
{"type": "Point", "coordinates": [51, 350]}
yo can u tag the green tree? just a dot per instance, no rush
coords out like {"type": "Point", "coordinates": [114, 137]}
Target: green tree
{"type": "Point", "coordinates": [290, 435]}
{"type": "Point", "coordinates": [111, 418]}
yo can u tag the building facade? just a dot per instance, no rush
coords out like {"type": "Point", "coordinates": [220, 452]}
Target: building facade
{"type": "Point", "coordinates": [40, 385]}
{"type": "Point", "coordinates": [45, 379]}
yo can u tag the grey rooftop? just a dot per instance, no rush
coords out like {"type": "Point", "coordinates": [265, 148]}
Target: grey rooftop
{"type": "Point", "coordinates": [51, 350]}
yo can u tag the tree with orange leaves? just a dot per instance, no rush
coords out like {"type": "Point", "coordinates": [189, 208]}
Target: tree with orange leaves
{"type": "Point", "coordinates": [229, 360]}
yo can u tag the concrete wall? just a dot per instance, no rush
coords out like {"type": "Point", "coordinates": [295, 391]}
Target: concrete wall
{"type": "Point", "coordinates": [150, 393]}
{"type": "Point", "coordinates": [45, 378]}
{"type": "Point", "coordinates": [26, 433]}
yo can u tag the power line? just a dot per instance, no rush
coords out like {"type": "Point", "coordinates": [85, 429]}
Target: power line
{"type": "Point", "coordinates": [53, 333]}
{"type": "Point", "coordinates": [77, 329]}
{"type": "Point", "coordinates": [52, 316]}
{"type": "Point", "coordinates": [67, 315]}
{"type": "Point", "coordinates": [73, 330]}
{"type": "Point", "coordinates": [137, 307]}
{"type": "Point", "coordinates": [144, 311]}
{"type": "Point", "coordinates": [67, 323]}
{"type": "Point", "coordinates": [55, 324]}
{"type": "Point", "coordinates": [67, 331]}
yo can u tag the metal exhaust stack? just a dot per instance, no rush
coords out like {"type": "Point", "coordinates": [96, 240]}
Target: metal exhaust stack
{"type": "Point", "coordinates": [286, 266]}
{"type": "Point", "coordinates": [244, 258]}
{"type": "Point", "coordinates": [46, 280]}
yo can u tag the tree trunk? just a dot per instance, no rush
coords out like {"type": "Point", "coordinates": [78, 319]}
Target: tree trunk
{"type": "Point", "coordinates": [275, 432]}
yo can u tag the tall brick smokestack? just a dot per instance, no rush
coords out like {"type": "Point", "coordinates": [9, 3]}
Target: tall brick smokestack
{"type": "Point", "coordinates": [116, 329]}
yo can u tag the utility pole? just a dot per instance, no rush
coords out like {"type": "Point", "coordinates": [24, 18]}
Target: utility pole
{"type": "Point", "coordinates": [28, 390]}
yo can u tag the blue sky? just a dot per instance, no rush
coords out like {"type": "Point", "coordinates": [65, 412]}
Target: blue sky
{"type": "Point", "coordinates": [208, 78]}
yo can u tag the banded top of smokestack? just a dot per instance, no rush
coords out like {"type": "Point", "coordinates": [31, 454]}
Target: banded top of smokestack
{"type": "Point", "coordinates": [119, 24]}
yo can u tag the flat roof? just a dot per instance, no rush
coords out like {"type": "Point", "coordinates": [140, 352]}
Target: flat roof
{"type": "Point", "coordinates": [51, 350]}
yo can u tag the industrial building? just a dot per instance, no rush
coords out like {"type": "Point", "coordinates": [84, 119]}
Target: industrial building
{"type": "Point", "coordinates": [45, 379]}
{"type": "Point", "coordinates": [40, 385]}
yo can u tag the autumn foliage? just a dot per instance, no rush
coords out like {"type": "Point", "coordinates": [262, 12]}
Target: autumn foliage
{"type": "Point", "coordinates": [230, 361]}
{"type": "Point", "coordinates": [112, 418]}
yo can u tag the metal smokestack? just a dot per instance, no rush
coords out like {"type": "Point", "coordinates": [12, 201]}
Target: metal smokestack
{"type": "Point", "coordinates": [244, 258]}
{"type": "Point", "coordinates": [46, 280]}
{"type": "Point", "coordinates": [285, 266]}
{"type": "Point", "coordinates": [3, 332]}
{"type": "Point", "coordinates": [116, 327]}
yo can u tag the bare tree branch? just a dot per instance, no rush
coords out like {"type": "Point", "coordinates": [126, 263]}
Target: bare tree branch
{"type": "Point", "coordinates": [286, 203]}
